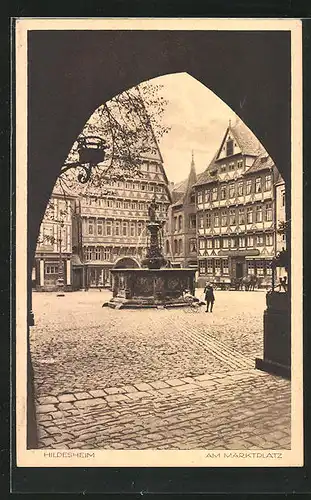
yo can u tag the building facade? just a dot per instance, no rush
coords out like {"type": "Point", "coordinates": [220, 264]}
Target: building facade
{"type": "Point", "coordinates": [53, 257]}
{"type": "Point", "coordinates": [111, 231]}
{"type": "Point", "coordinates": [181, 230]}
{"type": "Point", "coordinates": [236, 210]}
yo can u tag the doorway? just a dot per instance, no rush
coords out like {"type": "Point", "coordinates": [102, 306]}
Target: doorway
{"type": "Point", "coordinates": [239, 270]}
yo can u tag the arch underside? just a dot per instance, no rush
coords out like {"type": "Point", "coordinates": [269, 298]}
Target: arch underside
{"type": "Point", "coordinates": [250, 71]}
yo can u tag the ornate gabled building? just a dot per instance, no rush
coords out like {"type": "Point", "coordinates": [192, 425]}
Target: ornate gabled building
{"type": "Point", "coordinates": [180, 230]}
{"type": "Point", "coordinates": [112, 229]}
{"type": "Point", "coordinates": [236, 214]}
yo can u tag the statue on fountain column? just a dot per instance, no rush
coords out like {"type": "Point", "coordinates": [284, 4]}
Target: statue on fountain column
{"type": "Point", "coordinates": [152, 210]}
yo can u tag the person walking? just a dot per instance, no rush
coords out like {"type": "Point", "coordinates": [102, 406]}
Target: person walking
{"type": "Point", "coordinates": [209, 297]}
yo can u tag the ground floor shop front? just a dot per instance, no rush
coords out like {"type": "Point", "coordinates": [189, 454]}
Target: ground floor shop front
{"type": "Point", "coordinates": [47, 271]}
{"type": "Point", "coordinates": [226, 269]}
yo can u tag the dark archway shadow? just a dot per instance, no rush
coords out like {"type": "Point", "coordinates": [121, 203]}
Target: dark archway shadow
{"type": "Point", "coordinates": [126, 262]}
{"type": "Point", "coordinates": [71, 73]}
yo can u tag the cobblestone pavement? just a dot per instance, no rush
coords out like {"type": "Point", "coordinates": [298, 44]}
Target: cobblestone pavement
{"type": "Point", "coordinates": [155, 378]}
{"type": "Point", "coordinates": [77, 345]}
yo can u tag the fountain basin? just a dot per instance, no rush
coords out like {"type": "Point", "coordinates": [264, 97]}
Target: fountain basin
{"type": "Point", "coordinates": [144, 288]}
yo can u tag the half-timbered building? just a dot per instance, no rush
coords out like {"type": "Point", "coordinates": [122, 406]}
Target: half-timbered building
{"type": "Point", "coordinates": [236, 219]}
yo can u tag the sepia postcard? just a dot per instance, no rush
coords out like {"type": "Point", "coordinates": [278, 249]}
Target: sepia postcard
{"type": "Point", "coordinates": [158, 243]}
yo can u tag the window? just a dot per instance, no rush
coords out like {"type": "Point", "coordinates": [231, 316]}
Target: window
{"type": "Point", "coordinates": [223, 193]}
{"type": "Point", "coordinates": [225, 266]}
{"type": "Point", "coordinates": [107, 253]}
{"type": "Point", "coordinates": [132, 229]}
{"type": "Point", "coordinates": [225, 243]}
{"type": "Point", "coordinates": [269, 212]}
{"type": "Point", "coordinates": [231, 190]}
{"type": "Point", "coordinates": [201, 222]}
{"type": "Point", "coordinates": [251, 267]}
{"type": "Point", "coordinates": [134, 205]}
{"type": "Point", "coordinates": [193, 245]}
{"type": "Point", "coordinates": [224, 218]}
{"type": "Point", "coordinates": [216, 243]}
{"type": "Point", "coordinates": [139, 228]}
{"type": "Point", "coordinates": [202, 267]}
{"type": "Point", "coordinates": [97, 253]}
{"type": "Point", "coordinates": [249, 215]}
{"type": "Point", "coordinates": [175, 223]}
{"type": "Point", "coordinates": [117, 228]}
{"type": "Point", "coordinates": [180, 247]}
{"type": "Point", "coordinates": [267, 182]}
{"type": "Point", "coordinates": [127, 185]}
{"type": "Point", "coordinates": [192, 221]}
{"type": "Point", "coordinates": [242, 242]}
{"type": "Point", "coordinates": [110, 203]}
{"type": "Point", "coordinates": [200, 197]}
{"type": "Point", "coordinates": [217, 266]}
{"type": "Point", "coordinates": [260, 240]}
{"type": "Point", "coordinates": [175, 247]}
{"type": "Point", "coordinates": [126, 204]}
{"type": "Point", "coordinates": [229, 147]}
{"type": "Point", "coordinates": [240, 188]}
{"type": "Point", "coordinates": [269, 240]}
{"type": "Point", "coordinates": [233, 242]}
{"type": "Point", "coordinates": [209, 243]}
{"type": "Point", "coordinates": [248, 186]}
{"type": "Point", "coordinates": [240, 164]}
{"type": "Point", "coordinates": [241, 216]}
{"type": "Point", "coordinates": [223, 169]}
{"type": "Point", "coordinates": [259, 213]}
{"type": "Point", "coordinates": [48, 235]}
{"type": "Point", "coordinates": [180, 223]}
{"type": "Point", "coordinates": [99, 227]}
{"type": "Point", "coordinates": [208, 220]}
{"type": "Point", "coordinates": [283, 199]}
{"type": "Point", "coordinates": [268, 269]}
{"type": "Point", "coordinates": [214, 193]}
{"type": "Point", "coordinates": [118, 203]}
{"type": "Point", "coordinates": [231, 167]}
{"type": "Point", "coordinates": [108, 228]}
{"type": "Point", "coordinates": [124, 228]}
{"type": "Point", "coordinates": [192, 197]}
{"type": "Point", "coordinates": [232, 217]}
{"type": "Point", "coordinates": [51, 269]}
{"type": "Point", "coordinates": [141, 206]}
{"type": "Point", "coordinates": [202, 244]}
{"type": "Point", "coordinates": [90, 253]}
{"type": "Point", "coordinates": [207, 196]}
{"type": "Point", "coordinates": [258, 185]}
{"type": "Point", "coordinates": [143, 187]}
{"type": "Point", "coordinates": [90, 226]}
{"type": "Point", "coordinates": [151, 187]}
{"type": "Point", "coordinates": [167, 247]}
{"type": "Point", "coordinates": [260, 268]}
{"type": "Point", "coordinates": [250, 241]}
{"type": "Point", "coordinates": [216, 219]}
{"type": "Point", "coordinates": [210, 267]}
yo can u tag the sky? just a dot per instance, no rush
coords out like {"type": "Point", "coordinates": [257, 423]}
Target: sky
{"type": "Point", "coordinates": [198, 121]}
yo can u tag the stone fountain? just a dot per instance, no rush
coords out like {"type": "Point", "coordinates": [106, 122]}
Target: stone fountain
{"type": "Point", "coordinates": [155, 284]}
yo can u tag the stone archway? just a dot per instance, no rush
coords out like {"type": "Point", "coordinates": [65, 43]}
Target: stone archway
{"type": "Point", "coordinates": [250, 71]}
